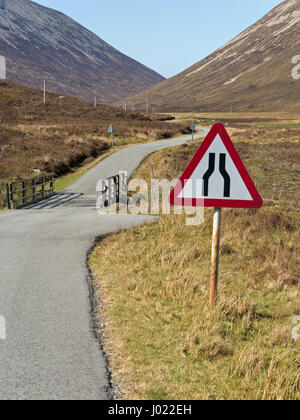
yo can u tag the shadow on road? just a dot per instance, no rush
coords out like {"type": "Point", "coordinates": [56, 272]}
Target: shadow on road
{"type": "Point", "coordinates": [57, 200]}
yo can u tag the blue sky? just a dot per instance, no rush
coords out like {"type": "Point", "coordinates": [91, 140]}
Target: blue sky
{"type": "Point", "coordinates": [166, 35]}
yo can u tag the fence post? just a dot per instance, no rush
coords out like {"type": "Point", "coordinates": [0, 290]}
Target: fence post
{"type": "Point", "coordinates": [14, 193]}
{"type": "Point", "coordinates": [43, 186]}
{"type": "Point", "coordinates": [33, 188]}
{"type": "Point", "coordinates": [11, 196]}
{"type": "Point", "coordinates": [23, 192]}
{"type": "Point", "coordinates": [51, 183]}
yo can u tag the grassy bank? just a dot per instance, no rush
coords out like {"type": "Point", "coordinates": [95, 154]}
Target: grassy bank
{"type": "Point", "coordinates": [75, 173]}
{"type": "Point", "coordinates": [65, 136]}
{"type": "Point", "coordinates": [65, 132]}
{"type": "Point", "coordinates": [163, 340]}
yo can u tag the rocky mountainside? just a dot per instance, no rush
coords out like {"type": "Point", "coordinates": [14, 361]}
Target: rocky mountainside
{"type": "Point", "coordinates": [253, 72]}
{"type": "Point", "coordinates": [40, 43]}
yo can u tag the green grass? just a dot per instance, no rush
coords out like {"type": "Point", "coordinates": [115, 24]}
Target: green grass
{"type": "Point", "coordinates": [63, 182]}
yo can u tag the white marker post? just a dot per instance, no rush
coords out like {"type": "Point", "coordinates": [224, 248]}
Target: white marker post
{"type": "Point", "coordinates": [215, 256]}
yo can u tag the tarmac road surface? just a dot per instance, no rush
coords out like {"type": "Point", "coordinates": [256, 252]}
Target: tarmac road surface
{"type": "Point", "coordinates": [50, 351]}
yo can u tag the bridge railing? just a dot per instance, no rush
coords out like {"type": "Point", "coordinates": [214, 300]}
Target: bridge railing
{"type": "Point", "coordinates": [27, 191]}
{"type": "Point", "coordinates": [113, 191]}
{"type": "Point", "coordinates": [110, 189]}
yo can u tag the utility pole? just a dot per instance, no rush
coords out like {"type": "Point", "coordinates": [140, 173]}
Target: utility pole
{"type": "Point", "coordinates": [44, 92]}
{"type": "Point", "coordinates": [2, 67]}
{"type": "Point", "coordinates": [95, 101]}
{"type": "Point", "coordinates": [147, 104]}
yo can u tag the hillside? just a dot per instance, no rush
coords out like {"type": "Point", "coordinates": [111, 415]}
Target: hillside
{"type": "Point", "coordinates": [40, 43]}
{"type": "Point", "coordinates": [65, 132]}
{"type": "Point", "coordinates": [250, 73]}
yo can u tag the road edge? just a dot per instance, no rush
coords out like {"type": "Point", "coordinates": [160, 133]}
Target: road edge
{"type": "Point", "coordinates": [97, 321]}
{"type": "Point", "coordinates": [98, 326]}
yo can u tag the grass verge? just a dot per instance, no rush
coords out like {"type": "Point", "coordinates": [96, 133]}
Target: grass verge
{"type": "Point", "coordinates": [75, 173]}
{"type": "Point", "coordinates": [163, 341]}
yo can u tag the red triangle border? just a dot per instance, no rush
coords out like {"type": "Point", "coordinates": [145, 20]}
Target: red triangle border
{"type": "Point", "coordinates": [257, 201]}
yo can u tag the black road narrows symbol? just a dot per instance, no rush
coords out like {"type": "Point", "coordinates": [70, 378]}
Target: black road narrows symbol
{"type": "Point", "coordinates": [224, 173]}
{"type": "Point", "coordinates": [211, 170]}
{"type": "Point", "coordinates": [208, 173]}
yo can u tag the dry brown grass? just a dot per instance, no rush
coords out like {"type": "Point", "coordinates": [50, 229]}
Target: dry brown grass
{"type": "Point", "coordinates": [65, 132]}
{"type": "Point", "coordinates": [163, 340]}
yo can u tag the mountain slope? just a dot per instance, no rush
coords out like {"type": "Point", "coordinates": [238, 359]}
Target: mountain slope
{"type": "Point", "coordinates": [252, 72]}
{"type": "Point", "coordinates": [40, 43]}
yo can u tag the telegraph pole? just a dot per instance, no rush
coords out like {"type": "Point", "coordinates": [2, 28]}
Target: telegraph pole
{"type": "Point", "coordinates": [147, 104]}
{"type": "Point", "coordinates": [2, 67]}
{"type": "Point", "coordinates": [44, 98]}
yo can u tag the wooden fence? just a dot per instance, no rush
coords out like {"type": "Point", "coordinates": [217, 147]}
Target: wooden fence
{"type": "Point", "coordinates": [27, 191]}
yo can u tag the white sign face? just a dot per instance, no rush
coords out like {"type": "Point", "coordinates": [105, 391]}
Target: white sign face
{"type": "Point", "coordinates": [215, 189]}
{"type": "Point", "coordinates": [2, 67]}
{"type": "Point", "coordinates": [216, 177]}
{"type": "Point", "coordinates": [2, 328]}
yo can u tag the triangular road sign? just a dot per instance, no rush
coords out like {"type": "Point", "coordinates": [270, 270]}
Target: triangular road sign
{"type": "Point", "coordinates": [216, 177]}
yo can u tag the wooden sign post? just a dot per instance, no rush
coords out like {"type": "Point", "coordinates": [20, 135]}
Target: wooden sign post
{"type": "Point", "coordinates": [215, 255]}
{"type": "Point", "coordinates": [226, 184]}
